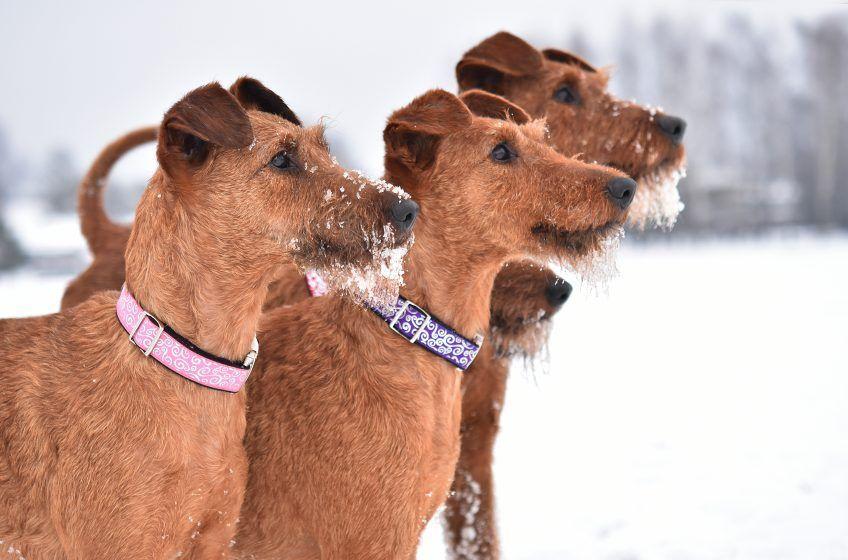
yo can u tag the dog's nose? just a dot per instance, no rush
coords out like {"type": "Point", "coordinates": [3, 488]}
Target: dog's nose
{"type": "Point", "coordinates": [558, 292]}
{"type": "Point", "coordinates": [671, 126]}
{"type": "Point", "coordinates": [403, 214]}
{"type": "Point", "coordinates": [621, 191]}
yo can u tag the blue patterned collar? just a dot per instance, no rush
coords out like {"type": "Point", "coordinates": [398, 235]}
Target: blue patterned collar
{"type": "Point", "coordinates": [419, 327]}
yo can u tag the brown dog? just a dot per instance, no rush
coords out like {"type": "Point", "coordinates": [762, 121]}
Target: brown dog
{"type": "Point", "coordinates": [524, 300]}
{"type": "Point", "coordinates": [584, 119]}
{"type": "Point", "coordinates": [353, 432]}
{"type": "Point", "coordinates": [106, 454]}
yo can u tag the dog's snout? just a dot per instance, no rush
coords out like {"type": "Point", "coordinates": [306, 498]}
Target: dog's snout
{"type": "Point", "coordinates": [621, 191]}
{"type": "Point", "coordinates": [671, 126]}
{"type": "Point", "coordinates": [403, 214]}
{"type": "Point", "coordinates": [558, 292]}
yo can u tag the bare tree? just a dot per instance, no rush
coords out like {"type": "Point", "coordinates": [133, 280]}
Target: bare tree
{"type": "Point", "coordinates": [60, 180]}
{"type": "Point", "coordinates": [10, 252]}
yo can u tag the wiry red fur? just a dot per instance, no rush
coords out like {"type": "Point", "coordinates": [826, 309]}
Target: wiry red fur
{"type": "Point", "coordinates": [105, 453]}
{"type": "Point", "coordinates": [353, 433]}
{"type": "Point", "coordinates": [508, 65]}
{"type": "Point", "coordinates": [600, 128]}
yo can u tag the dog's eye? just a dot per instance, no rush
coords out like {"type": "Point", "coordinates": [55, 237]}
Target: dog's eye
{"type": "Point", "coordinates": [566, 94]}
{"type": "Point", "coordinates": [503, 153]}
{"type": "Point", "coordinates": [282, 161]}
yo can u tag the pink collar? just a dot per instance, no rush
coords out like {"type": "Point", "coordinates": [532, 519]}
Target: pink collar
{"type": "Point", "coordinates": [317, 286]}
{"type": "Point", "coordinates": [160, 342]}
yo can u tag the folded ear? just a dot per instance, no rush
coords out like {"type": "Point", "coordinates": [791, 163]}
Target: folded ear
{"type": "Point", "coordinates": [205, 118]}
{"type": "Point", "coordinates": [485, 104]}
{"type": "Point", "coordinates": [413, 133]}
{"type": "Point", "coordinates": [568, 58]}
{"type": "Point", "coordinates": [494, 61]}
{"type": "Point", "coordinates": [253, 95]}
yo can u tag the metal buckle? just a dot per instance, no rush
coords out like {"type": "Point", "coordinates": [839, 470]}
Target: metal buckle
{"type": "Point", "coordinates": [407, 304]}
{"type": "Point", "coordinates": [155, 338]}
{"type": "Point", "coordinates": [250, 359]}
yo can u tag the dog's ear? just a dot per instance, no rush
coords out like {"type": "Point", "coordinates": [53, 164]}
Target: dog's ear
{"type": "Point", "coordinates": [485, 104]}
{"type": "Point", "coordinates": [493, 62]}
{"type": "Point", "coordinates": [205, 118]}
{"type": "Point", "coordinates": [252, 94]}
{"type": "Point", "coordinates": [568, 58]}
{"type": "Point", "coordinates": [413, 133]}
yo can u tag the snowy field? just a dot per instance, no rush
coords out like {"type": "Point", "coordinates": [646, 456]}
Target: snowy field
{"type": "Point", "coordinates": [699, 410]}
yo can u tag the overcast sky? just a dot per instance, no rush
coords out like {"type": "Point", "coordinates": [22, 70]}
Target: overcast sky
{"type": "Point", "coordinates": [79, 73]}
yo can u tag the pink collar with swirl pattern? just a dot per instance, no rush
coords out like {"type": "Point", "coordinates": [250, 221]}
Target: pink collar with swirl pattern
{"type": "Point", "coordinates": [158, 341]}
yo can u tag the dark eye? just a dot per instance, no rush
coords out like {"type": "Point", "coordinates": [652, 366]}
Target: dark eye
{"type": "Point", "coordinates": [566, 94]}
{"type": "Point", "coordinates": [282, 161]}
{"type": "Point", "coordinates": [503, 153]}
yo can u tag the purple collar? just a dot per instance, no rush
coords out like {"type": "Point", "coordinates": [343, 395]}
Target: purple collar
{"type": "Point", "coordinates": [419, 327]}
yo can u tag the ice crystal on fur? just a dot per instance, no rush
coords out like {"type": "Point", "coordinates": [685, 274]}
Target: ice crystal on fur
{"type": "Point", "coordinates": [469, 498]}
{"type": "Point", "coordinates": [589, 254]}
{"type": "Point", "coordinates": [376, 283]}
{"type": "Point", "coordinates": [598, 267]}
{"type": "Point", "coordinates": [657, 199]}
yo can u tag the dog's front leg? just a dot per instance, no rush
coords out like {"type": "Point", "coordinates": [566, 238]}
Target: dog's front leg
{"type": "Point", "coordinates": [470, 523]}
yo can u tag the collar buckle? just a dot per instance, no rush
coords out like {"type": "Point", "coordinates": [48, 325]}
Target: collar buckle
{"type": "Point", "coordinates": [160, 329]}
{"type": "Point", "coordinates": [406, 305]}
{"type": "Point", "coordinates": [250, 359]}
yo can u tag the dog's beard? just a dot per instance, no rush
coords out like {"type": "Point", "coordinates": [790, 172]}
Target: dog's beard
{"type": "Point", "coordinates": [588, 253]}
{"type": "Point", "coordinates": [657, 201]}
{"type": "Point", "coordinates": [368, 270]}
{"type": "Point", "coordinates": [524, 340]}
{"type": "Point", "coordinates": [375, 281]}
{"type": "Point", "coordinates": [526, 345]}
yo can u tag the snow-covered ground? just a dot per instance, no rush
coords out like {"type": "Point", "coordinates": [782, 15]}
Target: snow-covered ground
{"type": "Point", "coordinates": [699, 410]}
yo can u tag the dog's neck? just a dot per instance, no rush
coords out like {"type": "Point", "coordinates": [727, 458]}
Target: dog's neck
{"type": "Point", "coordinates": [189, 273]}
{"type": "Point", "coordinates": [448, 274]}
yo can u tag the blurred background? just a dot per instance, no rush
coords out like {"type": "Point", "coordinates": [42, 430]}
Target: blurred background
{"type": "Point", "coordinates": [696, 406]}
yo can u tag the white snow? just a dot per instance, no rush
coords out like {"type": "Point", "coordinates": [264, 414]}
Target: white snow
{"type": "Point", "coordinates": [698, 411]}
{"type": "Point", "coordinates": [41, 234]}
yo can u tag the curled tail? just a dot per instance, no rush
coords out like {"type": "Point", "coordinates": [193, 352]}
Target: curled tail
{"type": "Point", "coordinates": [95, 224]}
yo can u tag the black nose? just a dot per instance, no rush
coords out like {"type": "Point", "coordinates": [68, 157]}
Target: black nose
{"type": "Point", "coordinates": [672, 126]}
{"type": "Point", "coordinates": [403, 214]}
{"type": "Point", "coordinates": [558, 292]}
{"type": "Point", "coordinates": [621, 191]}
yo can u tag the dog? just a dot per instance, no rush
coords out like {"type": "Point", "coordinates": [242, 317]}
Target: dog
{"type": "Point", "coordinates": [524, 300]}
{"type": "Point", "coordinates": [353, 432]}
{"type": "Point", "coordinates": [584, 119]}
{"type": "Point", "coordinates": [106, 453]}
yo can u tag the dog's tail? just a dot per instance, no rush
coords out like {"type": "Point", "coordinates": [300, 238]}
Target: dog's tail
{"type": "Point", "coordinates": [94, 222]}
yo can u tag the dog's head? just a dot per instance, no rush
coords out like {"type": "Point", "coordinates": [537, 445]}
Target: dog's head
{"type": "Point", "coordinates": [250, 174]}
{"type": "Point", "coordinates": [484, 172]}
{"type": "Point", "coordinates": [524, 299]}
{"type": "Point", "coordinates": [584, 119]}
